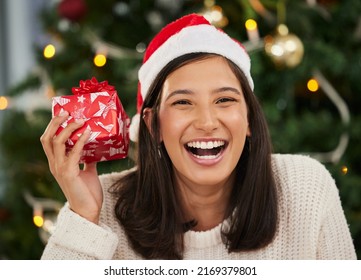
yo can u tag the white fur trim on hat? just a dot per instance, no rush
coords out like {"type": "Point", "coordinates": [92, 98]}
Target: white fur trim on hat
{"type": "Point", "coordinates": [134, 128]}
{"type": "Point", "coordinates": [192, 39]}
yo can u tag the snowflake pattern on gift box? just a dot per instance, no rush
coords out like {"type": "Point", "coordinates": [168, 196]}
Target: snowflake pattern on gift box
{"type": "Point", "coordinates": [78, 113]}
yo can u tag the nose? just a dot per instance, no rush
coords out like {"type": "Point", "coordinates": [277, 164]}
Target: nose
{"type": "Point", "coordinates": [206, 119]}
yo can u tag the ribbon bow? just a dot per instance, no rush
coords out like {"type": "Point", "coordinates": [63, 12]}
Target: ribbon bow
{"type": "Point", "coordinates": [92, 86]}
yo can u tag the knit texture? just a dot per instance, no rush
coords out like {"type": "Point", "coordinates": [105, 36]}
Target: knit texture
{"type": "Point", "coordinates": [312, 223]}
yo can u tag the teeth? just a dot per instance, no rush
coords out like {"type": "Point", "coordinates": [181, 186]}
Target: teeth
{"type": "Point", "coordinates": [205, 145]}
{"type": "Point", "coordinates": [206, 157]}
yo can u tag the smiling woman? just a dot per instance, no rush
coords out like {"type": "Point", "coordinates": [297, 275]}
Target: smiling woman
{"type": "Point", "coordinates": [199, 99]}
{"type": "Point", "coordinates": [205, 184]}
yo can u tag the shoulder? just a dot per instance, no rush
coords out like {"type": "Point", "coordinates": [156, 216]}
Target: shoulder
{"type": "Point", "coordinates": [302, 180]}
{"type": "Point", "coordinates": [294, 167]}
{"type": "Point", "coordinates": [295, 160]}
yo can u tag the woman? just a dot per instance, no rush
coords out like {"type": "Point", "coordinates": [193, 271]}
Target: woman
{"type": "Point", "coordinates": [205, 183]}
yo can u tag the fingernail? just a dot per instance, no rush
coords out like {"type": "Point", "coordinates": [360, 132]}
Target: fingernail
{"type": "Point", "coordinates": [63, 114]}
{"type": "Point", "coordinates": [79, 121]}
{"type": "Point", "coordinates": [86, 132]}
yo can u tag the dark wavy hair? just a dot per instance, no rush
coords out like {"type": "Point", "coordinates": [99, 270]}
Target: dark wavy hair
{"type": "Point", "coordinates": [148, 206]}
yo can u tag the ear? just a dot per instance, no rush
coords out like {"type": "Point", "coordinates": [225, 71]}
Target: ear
{"type": "Point", "coordinates": [249, 133]}
{"type": "Point", "coordinates": [147, 117]}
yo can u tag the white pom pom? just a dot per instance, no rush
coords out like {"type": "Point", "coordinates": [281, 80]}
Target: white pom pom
{"type": "Point", "coordinates": [134, 128]}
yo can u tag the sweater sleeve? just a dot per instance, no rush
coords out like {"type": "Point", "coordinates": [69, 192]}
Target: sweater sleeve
{"type": "Point", "coordinates": [77, 238]}
{"type": "Point", "coordinates": [335, 242]}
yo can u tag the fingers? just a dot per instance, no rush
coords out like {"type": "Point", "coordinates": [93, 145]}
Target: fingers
{"type": "Point", "coordinates": [54, 145]}
{"type": "Point", "coordinates": [48, 135]}
{"type": "Point", "coordinates": [59, 148]}
{"type": "Point", "coordinates": [76, 153]}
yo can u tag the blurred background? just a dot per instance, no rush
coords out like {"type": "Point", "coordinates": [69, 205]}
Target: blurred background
{"type": "Point", "coordinates": [306, 63]}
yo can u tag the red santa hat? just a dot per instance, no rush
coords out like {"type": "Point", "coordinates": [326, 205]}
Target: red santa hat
{"type": "Point", "coordinates": [189, 34]}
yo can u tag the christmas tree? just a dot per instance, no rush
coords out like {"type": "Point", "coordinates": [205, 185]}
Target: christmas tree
{"type": "Point", "coordinates": [306, 60]}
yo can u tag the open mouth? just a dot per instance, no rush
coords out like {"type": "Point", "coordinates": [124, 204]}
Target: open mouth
{"type": "Point", "coordinates": [206, 149]}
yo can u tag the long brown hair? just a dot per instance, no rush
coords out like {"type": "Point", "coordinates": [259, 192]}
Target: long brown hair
{"type": "Point", "coordinates": [148, 205]}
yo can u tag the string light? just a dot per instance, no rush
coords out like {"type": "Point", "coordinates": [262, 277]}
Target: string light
{"type": "Point", "coordinates": [49, 51]}
{"type": "Point", "coordinates": [38, 221]}
{"type": "Point", "coordinates": [4, 103]}
{"type": "Point", "coordinates": [312, 85]}
{"type": "Point", "coordinates": [100, 60]}
{"type": "Point", "coordinates": [252, 30]}
{"type": "Point", "coordinates": [344, 170]}
{"type": "Point", "coordinates": [45, 212]}
{"type": "Point", "coordinates": [251, 24]}
{"type": "Point", "coordinates": [38, 215]}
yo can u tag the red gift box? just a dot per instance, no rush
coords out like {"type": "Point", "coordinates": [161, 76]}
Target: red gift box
{"type": "Point", "coordinates": [99, 105]}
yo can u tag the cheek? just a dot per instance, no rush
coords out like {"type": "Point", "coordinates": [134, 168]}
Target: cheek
{"type": "Point", "coordinates": [237, 122]}
{"type": "Point", "coordinates": [172, 129]}
{"type": "Point", "coordinates": [171, 125]}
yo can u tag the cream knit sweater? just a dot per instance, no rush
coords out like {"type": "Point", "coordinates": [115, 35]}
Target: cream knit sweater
{"type": "Point", "coordinates": [312, 224]}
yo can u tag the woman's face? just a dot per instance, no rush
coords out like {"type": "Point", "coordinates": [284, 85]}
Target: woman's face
{"type": "Point", "coordinates": [203, 121]}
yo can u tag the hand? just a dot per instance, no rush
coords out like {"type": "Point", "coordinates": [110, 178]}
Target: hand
{"type": "Point", "coordinates": [81, 188]}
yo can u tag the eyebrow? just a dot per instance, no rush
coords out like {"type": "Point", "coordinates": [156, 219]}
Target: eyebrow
{"type": "Point", "coordinates": [218, 90]}
{"type": "Point", "coordinates": [223, 89]}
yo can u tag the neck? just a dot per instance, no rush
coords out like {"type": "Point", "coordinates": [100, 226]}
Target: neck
{"type": "Point", "coordinates": [206, 204]}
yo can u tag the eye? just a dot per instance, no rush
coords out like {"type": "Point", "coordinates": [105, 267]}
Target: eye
{"type": "Point", "coordinates": [225, 100]}
{"type": "Point", "coordinates": [181, 102]}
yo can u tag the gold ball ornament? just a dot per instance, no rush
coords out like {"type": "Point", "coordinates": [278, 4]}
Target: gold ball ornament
{"type": "Point", "coordinates": [214, 14]}
{"type": "Point", "coordinates": [285, 49]}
